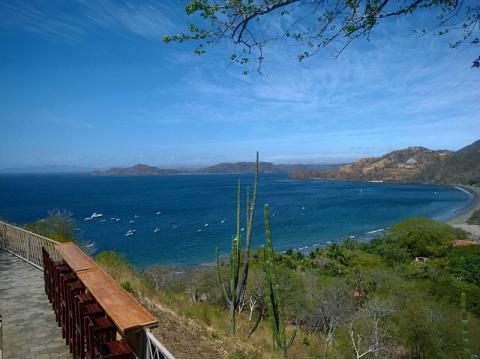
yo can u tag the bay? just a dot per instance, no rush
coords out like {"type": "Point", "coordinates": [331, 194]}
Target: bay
{"type": "Point", "coordinates": [194, 214]}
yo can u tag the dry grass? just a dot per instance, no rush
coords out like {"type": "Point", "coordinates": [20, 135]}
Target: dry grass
{"type": "Point", "coordinates": [200, 330]}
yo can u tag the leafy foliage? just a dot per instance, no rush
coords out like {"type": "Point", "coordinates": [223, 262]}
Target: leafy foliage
{"type": "Point", "coordinates": [58, 226]}
{"type": "Point", "coordinates": [313, 25]}
{"type": "Point", "coordinates": [464, 263]}
{"type": "Point", "coordinates": [417, 237]}
{"type": "Point", "coordinates": [127, 286]}
{"type": "Point", "coordinates": [474, 218]}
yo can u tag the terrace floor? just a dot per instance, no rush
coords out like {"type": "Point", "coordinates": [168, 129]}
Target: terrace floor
{"type": "Point", "coordinates": [28, 322]}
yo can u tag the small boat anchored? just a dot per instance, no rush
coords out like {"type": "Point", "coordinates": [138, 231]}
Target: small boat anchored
{"type": "Point", "coordinates": [130, 232]}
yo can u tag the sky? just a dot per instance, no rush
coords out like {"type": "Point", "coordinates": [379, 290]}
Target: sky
{"type": "Point", "coordinates": [91, 84]}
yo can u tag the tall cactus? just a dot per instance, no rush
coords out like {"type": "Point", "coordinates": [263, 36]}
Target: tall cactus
{"type": "Point", "coordinates": [466, 339]}
{"type": "Point", "coordinates": [276, 308]}
{"type": "Point", "coordinates": [233, 289]}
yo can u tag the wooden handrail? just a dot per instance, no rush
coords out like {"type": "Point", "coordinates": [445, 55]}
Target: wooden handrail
{"type": "Point", "coordinates": [27, 246]}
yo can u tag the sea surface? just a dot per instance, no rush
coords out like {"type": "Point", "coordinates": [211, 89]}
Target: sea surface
{"type": "Point", "coordinates": [194, 214]}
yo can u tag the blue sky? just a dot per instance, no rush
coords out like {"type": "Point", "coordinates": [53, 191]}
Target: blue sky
{"type": "Point", "coordinates": [91, 84]}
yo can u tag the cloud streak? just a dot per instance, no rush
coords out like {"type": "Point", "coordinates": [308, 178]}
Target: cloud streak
{"type": "Point", "coordinates": [77, 18]}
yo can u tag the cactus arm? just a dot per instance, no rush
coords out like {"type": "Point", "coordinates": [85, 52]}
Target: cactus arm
{"type": "Point", "coordinates": [466, 339]}
{"type": "Point", "coordinates": [251, 213]}
{"type": "Point", "coordinates": [221, 283]}
{"type": "Point", "coordinates": [274, 299]}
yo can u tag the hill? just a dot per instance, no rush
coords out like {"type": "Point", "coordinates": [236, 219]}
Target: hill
{"type": "Point", "coordinates": [239, 167]}
{"type": "Point", "coordinates": [224, 167]}
{"type": "Point", "coordinates": [405, 165]}
{"type": "Point", "coordinates": [410, 165]}
{"type": "Point", "coordinates": [137, 170]}
{"type": "Point", "coordinates": [462, 166]}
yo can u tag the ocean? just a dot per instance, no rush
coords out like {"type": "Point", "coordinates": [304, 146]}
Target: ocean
{"type": "Point", "coordinates": [181, 219]}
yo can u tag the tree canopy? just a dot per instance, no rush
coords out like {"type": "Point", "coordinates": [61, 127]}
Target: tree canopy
{"type": "Point", "coordinates": [313, 25]}
{"type": "Point", "coordinates": [418, 237]}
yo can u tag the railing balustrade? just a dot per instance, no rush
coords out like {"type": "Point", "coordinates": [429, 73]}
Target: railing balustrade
{"type": "Point", "coordinates": [25, 244]}
{"type": "Point", "coordinates": [155, 349]}
{"type": "Point", "coordinates": [28, 246]}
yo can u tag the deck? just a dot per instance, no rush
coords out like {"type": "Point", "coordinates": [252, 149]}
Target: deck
{"type": "Point", "coordinates": [28, 322]}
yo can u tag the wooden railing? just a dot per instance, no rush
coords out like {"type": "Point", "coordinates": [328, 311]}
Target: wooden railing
{"type": "Point", "coordinates": [26, 245]}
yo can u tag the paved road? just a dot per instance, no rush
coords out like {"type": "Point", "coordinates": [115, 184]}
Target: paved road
{"type": "Point", "coordinates": [29, 326]}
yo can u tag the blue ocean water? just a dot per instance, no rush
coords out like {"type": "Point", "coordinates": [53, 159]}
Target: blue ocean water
{"type": "Point", "coordinates": [197, 212]}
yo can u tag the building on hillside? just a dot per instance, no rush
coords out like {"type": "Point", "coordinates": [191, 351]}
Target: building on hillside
{"type": "Point", "coordinates": [463, 243]}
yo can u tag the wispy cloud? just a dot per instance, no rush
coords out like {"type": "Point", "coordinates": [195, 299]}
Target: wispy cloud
{"type": "Point", "coordinates": [75, 18]}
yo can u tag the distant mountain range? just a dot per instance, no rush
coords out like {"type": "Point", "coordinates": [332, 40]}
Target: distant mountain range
{"type": "Point", "coordinates": [410, 165]}
{"type": "Point", "coordinates": [226, 167]}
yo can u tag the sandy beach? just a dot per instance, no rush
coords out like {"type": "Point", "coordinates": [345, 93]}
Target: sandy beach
{"type": "Point", "coordinates": [460, 221]}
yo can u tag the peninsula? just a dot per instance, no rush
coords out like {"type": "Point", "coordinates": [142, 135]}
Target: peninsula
{"type": "Point", "coordinates": [410, 165]}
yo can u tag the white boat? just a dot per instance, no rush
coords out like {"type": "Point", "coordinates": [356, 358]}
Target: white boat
{"type": "Point", "coordinates": [128, 234]}
{"type": "Point", "coordinates": [156, 230]}
{"type": "Point", "coordinates": [205, 225]}
{"type": "Point", "coordinates": [117, 220]}
{"type": "Point", "coordinates": [90, 245]}
{"type": "Point", "coordinates": [96, 215]}
{"type": "Point", "coordinates": [131, 221]}
{"type": "Point", "coordinates": [223, 220]}
{"type": "Point", "coordinates": [87, 219]}
{"type": "Point", "coordinates": [158, 213]}
{"type": "Point", "coordinates": [376, 181]}
{"type": "Point", "coordinates": [199, 230]}
{"type": "Point", "coordinates": [135, 216]}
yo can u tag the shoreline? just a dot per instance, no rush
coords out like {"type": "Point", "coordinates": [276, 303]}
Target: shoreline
{"type": "Point", "coordinates": [474, 205]}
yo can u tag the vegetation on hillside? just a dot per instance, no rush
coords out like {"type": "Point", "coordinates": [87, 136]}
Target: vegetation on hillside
{"type": "Point", "coordinates": [58, 226]}
{"type": "Point", "coordinates": [474, 218]}
{"type": "Point", "coordinates": [349, 300]}
{"type": "Point", "coordinates": [410, 165]}
{"type": "Point", "coordinates": [462, 167]}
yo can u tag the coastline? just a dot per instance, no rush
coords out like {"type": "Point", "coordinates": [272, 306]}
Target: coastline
{"type": "Point", "coordinates": [474, 205]}
{"type": "Point", "coordinates": [460, 221]}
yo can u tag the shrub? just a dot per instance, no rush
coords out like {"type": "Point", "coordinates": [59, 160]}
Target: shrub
{"type": "Point", "coordinates": [474, 218]}
{"type": "Point", "coordinates": [464, 264]}
{"type": "Point", "coordinates": [58, 226]}
{"type": "Point", "coordinates": [417, 237]}
{"type": "Point", "coordinates": [127, 286]}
